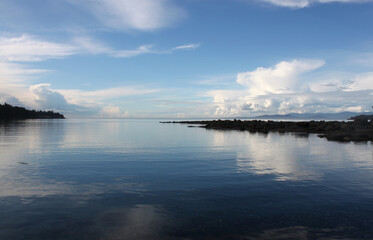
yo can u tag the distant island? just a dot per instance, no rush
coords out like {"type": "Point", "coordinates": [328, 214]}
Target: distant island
{"type": "Point", "coordinates": [362, 117]}
{"type": "Point", "coordinates": [311, 116]}
{"type": "Point", "coordinates": [9, 112]}
{"type": "Point", "coordinates": [361, 129]}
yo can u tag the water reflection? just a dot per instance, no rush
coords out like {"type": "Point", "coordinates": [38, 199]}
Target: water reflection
{"type": "Point", "coordinates": [63, 218]}
{"type": "Point", "coordinates": [115, 179]}
{"type": "Point", "coordinates": [292, 156]}
{"type": "Point", "coordinates": [298, 232]}
{"type": "Point", "coordinates": [138, 222]}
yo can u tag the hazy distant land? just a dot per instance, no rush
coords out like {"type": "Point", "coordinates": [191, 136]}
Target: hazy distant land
{"type": "Point", "coordinates": [9, 112]}
{"type": "Point", "coordinates": [311, 116]}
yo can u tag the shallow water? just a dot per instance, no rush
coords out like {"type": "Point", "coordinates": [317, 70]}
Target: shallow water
{"type": "Point", "coordinates": [138, 179]}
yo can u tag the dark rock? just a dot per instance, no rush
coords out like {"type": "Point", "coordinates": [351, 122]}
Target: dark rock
{"type": "Point", "coordinates": [358, 130]}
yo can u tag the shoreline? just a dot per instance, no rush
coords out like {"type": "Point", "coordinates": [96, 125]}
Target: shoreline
{"type": "Point", "coordinates": [355, 131]}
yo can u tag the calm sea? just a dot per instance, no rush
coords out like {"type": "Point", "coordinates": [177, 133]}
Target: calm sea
{"type": "Point", "coordinates": [139, 179]}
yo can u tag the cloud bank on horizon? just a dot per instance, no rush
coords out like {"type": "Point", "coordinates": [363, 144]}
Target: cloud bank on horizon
{"type": "Point", "coordinates": [146, 58]}
{"type": "Point", "coordinates": [281, 89]}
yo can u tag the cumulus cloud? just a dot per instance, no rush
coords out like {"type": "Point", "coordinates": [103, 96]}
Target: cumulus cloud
{"type": "Point", "coordinates": [46, 98]}
{"type": "Point", "coordinates": [281, 78]}
{"type": "Point", "coordinates": [83, 103]}
{"type": "Point", "coordinates": [307, 3]}
{"type": "Point", "coordinates": [112, 112]}
{"type": "Point", "coordinates": [281, 89]}
{"type": "Point", "coordinates": [144, 15]}
{"type": "Point", "coordinates": [11, 100]}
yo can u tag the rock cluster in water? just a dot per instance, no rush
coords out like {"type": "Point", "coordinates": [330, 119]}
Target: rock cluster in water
{"type": "Point", "coordinates": [357, 130]}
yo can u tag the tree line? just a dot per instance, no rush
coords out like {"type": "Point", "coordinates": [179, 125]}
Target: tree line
{"type": "Point", "coordinates": [9, 112]}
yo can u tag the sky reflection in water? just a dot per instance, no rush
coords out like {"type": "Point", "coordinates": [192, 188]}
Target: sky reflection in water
{"type": "Point", "coordinates": [128, 179]}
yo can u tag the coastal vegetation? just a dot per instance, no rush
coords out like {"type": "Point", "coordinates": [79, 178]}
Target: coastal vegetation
{"type": "Point", "coordinates": [9, 112]}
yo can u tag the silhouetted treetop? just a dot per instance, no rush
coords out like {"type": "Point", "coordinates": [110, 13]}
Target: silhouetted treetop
{"type": "Point", "coordinates": [9, 112]}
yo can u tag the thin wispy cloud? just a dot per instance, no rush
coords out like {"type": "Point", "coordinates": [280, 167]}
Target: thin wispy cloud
{"type": "Point", "coordinates": [307, 3]}
{"type": "Point", "coordinates": [14, 72]}
{"type": "Point", "coordinates": [143, 15]}
{"type": "Point", "coordinates": [117, 15]}
{"type": "Point", "coordinates": [216, 80]}
{"type": "Point", "coordinates": [29, 49]}
{"type": "Point", "coordinates": [145, 49]}
{"type": "Point", "coordinates": [108, 93]}
{"type": "Point", "coordinates": [187, 46]}
{"type": "Point", "coordinates": [91, 46]}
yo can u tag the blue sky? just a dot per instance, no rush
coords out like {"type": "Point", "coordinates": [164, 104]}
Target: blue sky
{"type": "Point", "coordinates": [186, 58]}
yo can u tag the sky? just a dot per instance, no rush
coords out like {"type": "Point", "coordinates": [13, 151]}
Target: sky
{"type": "Point", "coordinates": [186, 58]}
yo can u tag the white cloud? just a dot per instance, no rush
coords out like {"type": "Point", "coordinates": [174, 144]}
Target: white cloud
{"type": "Point", "coordinates": [14, 76]}
{"type": "Point", "coordinates": [46, 98]}
{"type": "Point", "coordinates": [82, 103]}
{"type": "Point", "coordinates": [13, 81]}
{"type": "Point", "coordinates": [289, 3]}
{"type": "Point", "coordinates": [306, 3]}
{"type": "Point", "coordinates": [10, 100]}
{"type": "Point", "coordinates": [281, 78]}
{"type": "Point", "coordinates": [361, 82]}
{"type": "Point", "coordinates": [281, 89]}
{"type": "Point", "coordinates": [91, 46]}
{"type": "Point", "coordinates": [187, 46]}
{"type": "Point", "coordinates": [348, 82]}
{"type": "Point", "coordinates": [27, 48]}
{"type": "Point", "coordinates": [131, 53]}
{"type": "Point", "coordinates": [77, 96]}
{"type": "Point", "coordinates": [12, 72]}
{"type": "Point", "coordinates": [112, 112]}
{"type": "Point", "coordinates": [144, 15]}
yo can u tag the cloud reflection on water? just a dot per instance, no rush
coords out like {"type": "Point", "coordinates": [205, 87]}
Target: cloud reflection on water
{"type": "Point", "coordinates": [131, 180]}
{"type": "Point", "coordinates": [138, 222]}
{"type": "Point", "coordinates": [291, 156]}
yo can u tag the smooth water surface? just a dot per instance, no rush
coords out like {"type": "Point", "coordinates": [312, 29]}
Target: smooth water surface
{"type": "Point", "coordinates": [139, 179]}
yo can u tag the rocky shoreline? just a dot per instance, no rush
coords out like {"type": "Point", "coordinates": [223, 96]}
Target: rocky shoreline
{"type": "Point", "coordinates": [356, 131]}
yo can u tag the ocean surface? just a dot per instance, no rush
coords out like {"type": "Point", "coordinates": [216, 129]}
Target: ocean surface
{"type": "Point", "coordinates": [139, 179]}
